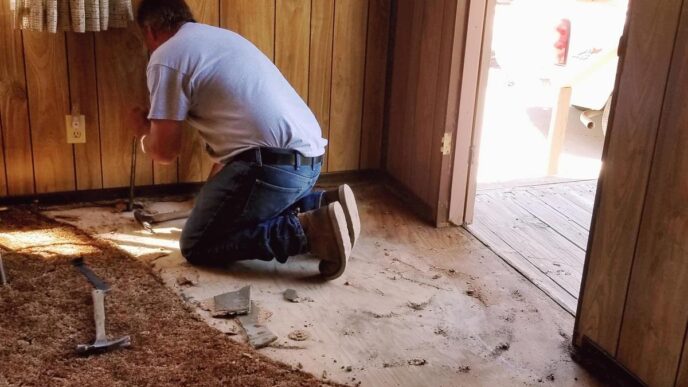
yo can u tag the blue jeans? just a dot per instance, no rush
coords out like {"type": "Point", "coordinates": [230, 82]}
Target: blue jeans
{"type": "Point", "coordinates": [249, 211]}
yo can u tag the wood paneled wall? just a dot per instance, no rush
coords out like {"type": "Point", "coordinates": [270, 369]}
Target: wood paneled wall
{"type": "Point", "coordinates": [334, 53]}
{"type": "Point", "coordinates": [427, 61]}
{"type": "Point", "coordinates": [633, 301]}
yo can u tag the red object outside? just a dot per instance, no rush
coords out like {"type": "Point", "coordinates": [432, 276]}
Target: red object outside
{"type": "Point", "coordinates": [562, 44]}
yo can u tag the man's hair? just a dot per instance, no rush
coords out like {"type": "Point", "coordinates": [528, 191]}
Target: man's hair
{"type": "Point", "coordinates": [163, 15]}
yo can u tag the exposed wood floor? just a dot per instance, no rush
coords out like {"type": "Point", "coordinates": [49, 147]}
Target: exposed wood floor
{"type": "Point", "coordinates": [541, 230]}
{"type": "Point", "coordinates": [417, 306]}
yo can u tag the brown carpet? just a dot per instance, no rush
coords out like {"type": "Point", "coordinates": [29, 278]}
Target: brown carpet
{"type": "Point", "coordinates": [47, 310]}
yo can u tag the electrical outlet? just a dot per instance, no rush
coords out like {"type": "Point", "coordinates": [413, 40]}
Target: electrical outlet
{"type": "Point", "coordinates": [76, 129]}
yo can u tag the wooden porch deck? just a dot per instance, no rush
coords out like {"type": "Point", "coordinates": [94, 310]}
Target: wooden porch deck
{"type": "Point", "coordinates": [541, 229]}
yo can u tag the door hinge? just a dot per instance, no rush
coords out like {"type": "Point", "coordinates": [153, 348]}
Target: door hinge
{"type": "Point", "coordinates": [471, 155]}
{"type": "Point", "coordinates": [446, 144]}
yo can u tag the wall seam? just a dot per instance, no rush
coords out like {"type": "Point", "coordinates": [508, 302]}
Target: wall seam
{"type": "Point", "coordinates": [365, 84]}
{"type": "Point", "coordinates": [4, 155]}
{"type": "Point", "coordinates": [329, 118]}
{"type": "Point", "coordinates": [28, 114]}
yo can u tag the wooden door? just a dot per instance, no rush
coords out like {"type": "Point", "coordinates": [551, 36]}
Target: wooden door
{"type": "Point", "coordinates": [632, 305]}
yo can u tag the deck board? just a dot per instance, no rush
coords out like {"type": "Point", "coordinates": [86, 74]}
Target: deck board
{"type": "Point", "coordinates": [541, 230]}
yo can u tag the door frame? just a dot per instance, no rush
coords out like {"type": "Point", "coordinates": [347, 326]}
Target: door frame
{"type": "Point", "coordinates": [477, 56]}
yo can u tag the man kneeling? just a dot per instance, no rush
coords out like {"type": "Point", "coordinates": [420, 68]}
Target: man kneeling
{"type": "Point", "coordinates": [267, 146]}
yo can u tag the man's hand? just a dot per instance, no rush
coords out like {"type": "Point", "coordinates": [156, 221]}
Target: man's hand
{"type": "Point", "coordinates": [138, 121]}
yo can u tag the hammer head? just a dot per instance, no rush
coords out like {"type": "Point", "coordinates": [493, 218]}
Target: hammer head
{"type": "Point", "coordinates": [143, 219]}
{"type": "Point", "coordinates": [101, 346]}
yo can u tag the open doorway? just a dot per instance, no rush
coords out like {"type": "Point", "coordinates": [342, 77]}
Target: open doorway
{"type": "Point", "coordinates": [544, 95]}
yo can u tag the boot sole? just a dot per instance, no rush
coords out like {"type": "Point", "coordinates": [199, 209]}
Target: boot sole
{"type": "Point", "coordinates": [353, 220]}
{"type": "Point", "coordinates": [339, 225]}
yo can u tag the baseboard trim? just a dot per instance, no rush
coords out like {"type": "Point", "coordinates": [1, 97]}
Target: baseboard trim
{"type": "Point", "coordinates": [326, 180]}
{"type": "Point", "coordinates": [603, 365]}
{"type": "Point", "coordinates": [108, 194]}
{"type": "Point", "coordinates": [414, 203]}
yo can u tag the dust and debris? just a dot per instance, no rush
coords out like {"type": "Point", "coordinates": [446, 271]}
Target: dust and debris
{"type": "Point", "coordinates": [184, 280]}
{"type": "Point", "coordinates": [419, 305]}
{"type": "Point", "coordinates": [516, 295]}
{"type": "Point", "coordinates": [477, 295]}
{"type": "Point", "coordinates": [436, 276]}
{"type": "Point", "coordinates": [67, 218]}
{"type": "Point", "coordinates": [501, 348]}
{"type": "Point", "coordinates": [380, 315]}
{"type": "Point", "coordinates": [119, 206]}
{"type": "Point", "coordinates": [299, 365]}
{"type": "Point", "coordinates": [285, 346]}
{"type": "Point", "coordinates": [550, 377]}
{"type": "Point", "coordinates": [417, 362]}
{"type": "Point", "coordinates": [465, 369]}
{"type": "Point", "coordinates": [348, 368]}
{"type": "Point", "coordinates": [324, 374]}
{"type": "Point", "coordinates": [298, 335]}
{"type": "Point", "coordinates": [231, 330]}
{"type": "Point", "coordinates": [441, 331]}
{"type": "Point", "coordinates": [291, 296]}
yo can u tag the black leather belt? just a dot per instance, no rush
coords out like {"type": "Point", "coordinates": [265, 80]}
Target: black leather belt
{"type": "Point", "coordinates": [275, 156]}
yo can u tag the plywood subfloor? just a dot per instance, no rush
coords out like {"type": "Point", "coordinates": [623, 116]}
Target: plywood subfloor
{"type": "Point", "coordinates": [416, 306]}
{"type": "Point", "coordinates": [540, 229]}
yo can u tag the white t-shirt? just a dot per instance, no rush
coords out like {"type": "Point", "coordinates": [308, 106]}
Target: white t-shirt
{"type": "Point", "coordinates": [230, 92]}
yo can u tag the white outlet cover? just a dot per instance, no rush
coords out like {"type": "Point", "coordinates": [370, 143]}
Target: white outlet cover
{"type": "Point", "coordinates": [76, 129]}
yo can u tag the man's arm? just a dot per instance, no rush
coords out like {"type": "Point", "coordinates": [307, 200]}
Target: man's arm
{"type": "Point", "coordinates": [164, 140]}
{"type": "Point", "coordinates": [161, 139]}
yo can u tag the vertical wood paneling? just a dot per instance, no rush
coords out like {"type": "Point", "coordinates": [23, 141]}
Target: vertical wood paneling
{"type": "Point", "coordinates": [206, 11]}
{"type": "Point", "coordinates": [3, 180]}
{"type": "Point", "coordinates": [375, 83]}
{"type": "Point", "coordinates": [104, 74]}
{"type": "Point", "coordinates": [407, 129]}
{"type": "Point", "coordinates": [121, 67]}
{"type": "Point", "coordinates": [83, 90]}
{"type": "Point", "coordinates": [348, 68]}
{"type": "Point", "coordinates": [194, 163]}
{"type": "Point", "coordinates": [656, 311]}
{"type": "Point", "coordinates": [292, 41]}
{"type": "Point", "coordinates": [165, 173]}
{"type": "Point", "coordinates": [633, 129]}
{"type": "Point", "coordinates": [48, 89]}
{"type": "Point", "coordinates": [253, 19]}
{"type": "Point", "coordinates": [14, 108]}
{"type": "Point", "coordinates": [400, 78]}
{"type": "Point", "coordinates": [320, 73]}
{"type": "Point", "coordinates": [422, 135]}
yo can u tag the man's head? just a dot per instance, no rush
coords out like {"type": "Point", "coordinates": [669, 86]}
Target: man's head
{"type": "Point", "coordinates": [160, 20]}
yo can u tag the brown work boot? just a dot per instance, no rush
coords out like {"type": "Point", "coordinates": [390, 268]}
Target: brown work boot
{"type": "Point", "coordinates": [328, 238]}
{"type": "Point", "coordinates": [345, 196]}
